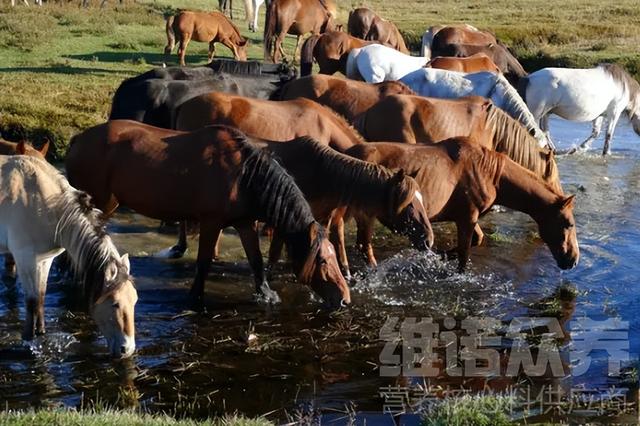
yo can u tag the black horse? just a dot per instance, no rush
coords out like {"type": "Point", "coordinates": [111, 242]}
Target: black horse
{"type": "Point", "coordinates": [154, 96]}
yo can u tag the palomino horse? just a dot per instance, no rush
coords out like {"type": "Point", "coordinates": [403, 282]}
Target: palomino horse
{"type": "Point", "coordinates": [209, 27]}
{"type": "Point", "coordinates": [499, 54]}
{"type": "Point", "coordinates": [365, 24]}
{"type": "Point", "coordinates": [154, 96]}
{"type": "Point", "coordinates": [331, 180]}
{"type": "Point", "coordinates": [348, 98]}
{"type": "Point", "coordinates": [376, 63]}
{"type": "Point", "coordinates": [41, 216]}
{"type": "Point", "coordinates": [427, 37]}
{"type": "Point", "coordinates": [595, 94]}
{"type": "Point", "coordinates": [278, 121]}
{"type": "Point", "coordinates": [229, 183]}
{"type": "Point", "coordinates": [437, 83]}
{"type": "Point", "coordinates": [469, 64]}
{"type": "Point", "coordinates": [462, 180]}
{"type": "Point", "coordinates": [297, 17]}
{"type": "Point", "coordinates": [330, 50]}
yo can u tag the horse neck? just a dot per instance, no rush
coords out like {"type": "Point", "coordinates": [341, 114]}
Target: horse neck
{"type": "Point", "coordinates": [520, 190]}
{"type": "Point", "coordinates": [347, 135]}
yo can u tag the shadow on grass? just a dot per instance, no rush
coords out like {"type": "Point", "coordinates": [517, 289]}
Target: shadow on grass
{"type": "Point", "coordinates": [141, 57]}
{"type": "Point", "coordinates": [60, 69]}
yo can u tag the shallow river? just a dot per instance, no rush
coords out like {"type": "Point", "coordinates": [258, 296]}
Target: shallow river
{"type": "Point", "coordinates": [295, 361]}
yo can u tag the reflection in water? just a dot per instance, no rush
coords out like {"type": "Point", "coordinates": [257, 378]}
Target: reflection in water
{"type": "Point", "coordinates": [301, 360]}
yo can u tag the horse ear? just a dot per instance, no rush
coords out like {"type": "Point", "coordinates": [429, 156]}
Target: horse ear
{"type": "Point", "coordinates": [491, 45]}
{"type": "Point", "coordinates": [125, 262]}
{"type": "Point", "coordinates": [21, 148]}
{"type": "Point", "coordinates": [313, 231]}
{"type": "Point", "coordinates": [44, 148]}
{"type": "Point", "coordinates": [111, 272]}
{"type": "Point", "coordinates": [567, 202]}
{"type": "Point", "coordinates": [399, 176]}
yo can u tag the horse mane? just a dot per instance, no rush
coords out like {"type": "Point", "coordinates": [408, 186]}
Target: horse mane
{"type": "Point", "coordinates": [513, 140]}
{"type": "Point", "coordinates": [620, 75]}
{"type": "Point", "coordinates": [252, 68]}
{"type": "Point", "coordinates": [235, 28]}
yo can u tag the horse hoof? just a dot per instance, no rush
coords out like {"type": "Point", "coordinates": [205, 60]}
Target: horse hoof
{"type": "Point", "coordinates": [176, 252]}
{"type": "Point", "coordinates": [266, 295]}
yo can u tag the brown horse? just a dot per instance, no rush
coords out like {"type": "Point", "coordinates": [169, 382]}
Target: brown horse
{"type": "Point", "coordinates": [349, 98]}
{"type": "Point", "coordinates": [279, 121]}
{"type": "Point", "coordinates": [297, 17]}
{"type": "Point", "coordinates": [22, 148]}
{"type": "Point", "coordinates": [499, 54]}
{"type": "Point", "coordinates": [459, 34]}
{"type": "Point", "coordinates": [229, 183]}
{"type": "Point", "coordinates": [331, 180]}
{"type": "Point", "coordinates": [330, 50]}
{"type": "Point", "coordinates": [461, 180]}
{"type": "Point", "coordinates": [209, 27]}
{"type": "Point", "coordinates": [474, 63]}
{"type": "Point", "coordinates": [365, 24]}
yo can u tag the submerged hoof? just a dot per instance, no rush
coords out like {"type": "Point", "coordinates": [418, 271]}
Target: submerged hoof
{"type": "Point", "coordinates": [266, 295]}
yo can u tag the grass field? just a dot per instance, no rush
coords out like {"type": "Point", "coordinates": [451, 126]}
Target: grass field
{"type": "Point", "coordinates": [61, 64]}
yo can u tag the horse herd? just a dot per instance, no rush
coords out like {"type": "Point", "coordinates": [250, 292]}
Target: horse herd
{"type": "Point", "coordinates": [237, 143]}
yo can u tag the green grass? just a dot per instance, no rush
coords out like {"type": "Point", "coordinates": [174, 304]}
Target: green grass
{"type": "Point", "coordinates": [61, 64]}
{"type": "Point", "coordinates": [483, 410]}
{"type": "Point", "coordinates": [113, 417]}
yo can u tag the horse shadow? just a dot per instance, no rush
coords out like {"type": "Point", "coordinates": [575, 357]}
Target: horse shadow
{"type": "Point", "coordinates": [142, 58]}
{"type": "Point", "coordinates": [60, 69]}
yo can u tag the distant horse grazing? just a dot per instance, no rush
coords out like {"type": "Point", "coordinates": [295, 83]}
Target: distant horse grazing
{"type": "Point", "coordinates": [377, 63]}
{"type": "Point", "coordinates": [365, 24]}
{"type": "Point", "coordinates": [427, 37]}
{"type": "Point", "coordinates": [437, 83]}
{"type": "Point", "coordinates": [594, 94]}
{"type": "Point", "coordinates": [297, 17]}
{"type": "Point", "coordinates": [470, 64]}
{"type": "Point", "coordinates": [348, 98]}
{"type": "Point", "coordinates": [230, 183]}
{"type": "Point", "coordinates": [330, 181]}
{"type": "Point", "coordinates": [209, 27]}
{"type": "Point", "coordinates": [461, 180]}
{"type": "Point", "coordinates": [330, 50]}
{"type": "Point", "coordinates": [41, 216]}
{"type": "Point", "coordinates": [154, 96]}
{"type": "Point", "coordinates": [499, 54]}
{"type": "Point", "coordinates": [275, 121]}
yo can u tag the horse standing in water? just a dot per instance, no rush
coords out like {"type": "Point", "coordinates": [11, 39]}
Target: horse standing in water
{"type": "Point", "coordinates": [594, 94]}
{"type": "Point", "coordinates": [41, 216]}
{"type": "Point", "coordinates": [349, 98]}
{"type": "Point", "coordinates": [209, 27]}
{"type": "Point", "coordinates": [297, 17]}
{"type": "Point", "coordinates": [461, 180]}
{"type": "Point", "coordinates": [230, 183]}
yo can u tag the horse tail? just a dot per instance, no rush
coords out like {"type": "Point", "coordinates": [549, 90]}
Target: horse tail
{"type": "Point", "coordinates": [171, 36]}
{"type": "Point", "coordinates": [270, 23]}
{"type": "Point", "coordinates": [306, 54]}
{"type": "Point", "coordinates": [523, 83]}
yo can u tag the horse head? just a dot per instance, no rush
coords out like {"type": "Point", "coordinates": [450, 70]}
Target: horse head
{"type": "Point", "coordinates": [243, 44]}
{"type": "Point", "coordinates": [407, 213]}
{"type": "Point", "coordinates": [321, 270]}
{"type": "Point", "coordinates": [558, 230]}
{"type": "Point", "coordinates": [113, 310]}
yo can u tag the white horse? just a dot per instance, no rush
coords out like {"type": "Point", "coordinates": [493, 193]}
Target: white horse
{"type": "Point", "coordinates": [593, 94]}
{"type": "Point", "coordinates": [427, 37]}
{"type": "Point", "coordinates": [437, 83]}
{"type": "Point", "coordinates": [253, 26]}
{"type": "Point", "coordinates": [376, 63]}
{"type": "Point", "coordinates": [41, 215]}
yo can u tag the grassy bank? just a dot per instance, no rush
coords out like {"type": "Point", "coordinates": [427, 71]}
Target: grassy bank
{"type": "Point", "coordinates": [61, 64]}
{"type": "Point", "coordinates": [112, 417]}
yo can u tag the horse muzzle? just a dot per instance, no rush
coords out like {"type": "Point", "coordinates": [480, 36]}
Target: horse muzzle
{"type": "Point", "coordinates": [122, 347]}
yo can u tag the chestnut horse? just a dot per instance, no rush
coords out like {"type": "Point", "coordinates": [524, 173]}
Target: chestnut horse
{"type": "Point", "coordinates": [229, 183]}
{"type": "Point", "coordinates": [209, 27]}
{"type": "Point", "coordinates": [297, 17]}
{"type": "Point", "coordinates": [365, 24]}
{"type": "Point", "coordinates": [279, 121]}
{"type": "Point", "coordinates": [455, 34]}
{"type": "Point", "coordinates": [461, 180]}
{"type": "Point", "coordinates": [348, 98]}
{"type": "Point", "coordinates": [427, 37]}
{"type": "Point", "coordinates": [331, 180]}
{"type": "Point", "coordinates": [330, 50]}
{"type": "Point", "coordinates": [473, 63]}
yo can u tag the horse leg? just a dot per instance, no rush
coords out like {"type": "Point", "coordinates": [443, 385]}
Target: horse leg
{"type": "Point", "coordinates": [611, 126]}
{"type": "Point", "coordinates": [477, 237]}
{"type": "Point", "coordinates": [251, 244]}
{"type": "Point", "coordinates": [465, 236]}
{"type": "Point", "coordinates": [178, 250]}
{"type": "Point", "coordinates": [212, 50]}
{"type": "Point", "coordinates": [295, 51]}
{"type": "Point", "coordinates": [182, 49]}
{"type": "Point", "coordinates": [33, 276]}
{"type": "Point", "coordinates": [208, 233]}
{"type": "Point", "coordinates": [596, 128]}
{"type": "Point", "coordinates": [337, 228]}
{"type": "Point", "coordinates": [275, 249]}
{"type": "Point", "coordinates": [256, 7]}
{"type": "Point", "coordinates": [364, 237]}
{"type": "Point", "coordinates": [278, 49]}
{"type": "Point", "coordinates": [544, 126]}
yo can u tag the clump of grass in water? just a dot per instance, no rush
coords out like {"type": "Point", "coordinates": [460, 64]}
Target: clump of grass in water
{"type": "Point", "coordinates": [478, 410]}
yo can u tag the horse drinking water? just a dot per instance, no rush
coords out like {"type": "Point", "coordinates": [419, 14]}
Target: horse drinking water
{"type": "Point", "coordinates": [41, 216]}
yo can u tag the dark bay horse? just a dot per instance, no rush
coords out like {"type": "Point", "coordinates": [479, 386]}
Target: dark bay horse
{"type": "Point", "coordinates": [208, 27]}
{"type": "Point", "coordinates": [152, 97]}
{"type": "Point", "coordinates": [297, 17]}
{"type": "Point", "coordinates": [279, 121]}
{"type": "Point", "coordinates": [461, 180]}
{"type": "Point", "coordinates": [331, 180]}
{"type": "Point", "coordinates": [330, 50]}
{"type": "Point", "coordinates": [230, 183]}
{"type": "Point", "coordinates": [349, 98]}
{"type": "Point", "coordinates": [469, 64]}
{"type": "Point", "coordinates": [367, 25]}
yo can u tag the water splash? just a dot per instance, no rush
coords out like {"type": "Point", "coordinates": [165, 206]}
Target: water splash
{"type": "Point", "coordinates": [53, 346]}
